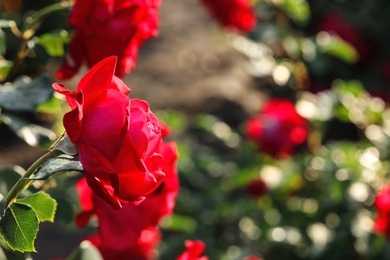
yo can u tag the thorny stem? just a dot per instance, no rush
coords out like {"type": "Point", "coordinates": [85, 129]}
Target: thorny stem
{"type": "Point", "coordinates": [32, 24]}
{"type": "Point", "coordinates": [24, 182]}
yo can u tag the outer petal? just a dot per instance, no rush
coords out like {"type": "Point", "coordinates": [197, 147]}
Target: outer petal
{"type": "Point", "coordinates": [73, 124]}
{"type": "Point", "coordinates": [101, 191]}
{"type": "Point", "coordinates": [133, 185]}
{"type": "Point", "coordinates": [104, 122]}
{"type": "Point", "coordinates": [98, 79]}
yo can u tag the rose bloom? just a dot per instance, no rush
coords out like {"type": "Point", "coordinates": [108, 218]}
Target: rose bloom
{"type": "Point", "coordinates": [104, 28]}
{"type": "Point", "coordinates": [142, 249]}
{"type": "Point", "coordinates": [382, 205]}
{"type": "Point", "coordinates": [131, 233]}
{"type": "Point", "coordinates": [256, 188]}
{"type": "Point", "coordinates": [278, 129]}
{"type": "Point", "coordinates": [233, 14]}
{"type": "Point", "coordinates": [194, 250]}
{"type": "Point", "coordinates": [117, 137]}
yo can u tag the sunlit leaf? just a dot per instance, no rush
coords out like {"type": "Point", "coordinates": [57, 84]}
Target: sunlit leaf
{"type": "Point", "coordinates": [5, 66]}
{"type": "Point", "coordinates": [54, 43]}
{"type": "Point", "coordinates": [19, 227]}
{"type": "Point", "coordinates": [297, 9]}
{"type": "Point", "coordinates": [335, 46]}
{"type": "Point", "coordinates": [353, 87]}
{"type": "Point", "coordinates": [43, 205]}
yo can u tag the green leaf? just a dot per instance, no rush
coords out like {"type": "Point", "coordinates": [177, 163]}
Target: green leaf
{"type": "Point", "coordinates": [86, 251]}
{"type": "Point", "coordinates": [5, 66]}
{"type": "Point", "coordinates": [53, 106]}
{"type": "Point", "coordinates": [2, 43]}
{"type": "Point", "coordinates": [54, 43]}
{"type": "Point", "coordinates": [337, 47]}
{"type": "Point", "coordinates": [179, 223]}
{"type": "Point", "coordinates": [32, 134]}
{"type": "Point", "coordinates": [44, 205]}
{"type": "Point", "coordinates": [19, 227]}
{"type": "Point", "coordinates": [353, 87]}
{"type": "Point", "coordinates": [63, 163]}
{"type": "Point", "coordinates": [25, 94]}
{"type": "Point", "coordinates": [297, 9]}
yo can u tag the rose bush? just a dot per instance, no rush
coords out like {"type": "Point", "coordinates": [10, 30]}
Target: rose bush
{"type": "Point", "coordinates": [233, 14]}
{"type": "Point", "coordinates": [118, 138]}
{"type": "Point", "coordinates": [278, 129]}
{"type": "Point", "coordinates": [105, 28]}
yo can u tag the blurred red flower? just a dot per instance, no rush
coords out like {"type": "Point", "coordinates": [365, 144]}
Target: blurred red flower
{"type": "Point", "coordinates": [142, 249]}
{"type": "Point", "coordinates": [382, 205]}
{"type": "Point", "coordinates": [105, 28]}
{"type": "Point", "coordinates": [233, 14]}
{"type": "Point", "coordinates": [132, 233]}
{"type": "Point", "coordinates": [278, 129]}
{"type": "Point", "coordinates": [194, 250]}
{"type": "Point", "coordinates": [118, 138]}
{"type": "Point", "coordinates": [256, 188]}
{"type": "Point", "coordinates": [335, 23]}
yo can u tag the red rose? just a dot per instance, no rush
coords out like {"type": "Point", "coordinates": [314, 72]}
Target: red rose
{"type": "Point", "coordinates": [194, 250]}
{"type": "Point", "coordinates": [233, 14]}
{"type": "Point", "coordinates": [278, 129]}
{"type": "Point", "coordinates": [132, 230]}
{"type": "Point", "coordinates": [118, 138]}
{"type": "Point", "coordinates": [144, 247]}
{"type": "Point", "coordinates": [256, 188]}
{"type": "Point", "coordinates": [382, 205]}
{"type": "Point", "coordinates": [105, 28]}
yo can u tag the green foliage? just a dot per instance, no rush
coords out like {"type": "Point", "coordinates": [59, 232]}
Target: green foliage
{"type": "Point", "coordinates": [335, 46]}
{"type": "Point", "coordinates": [19, 227]}
{"type": "Point", "coordinates": [56, 165]}
{"type": "Point", "coordinates": [54, 43]}
{"type": "Point", "coordinates": [19, 224]}
{"type": "Point", "coordinates": [297, 9]}
{"type": "Point", "coordinates": [43, 205]}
